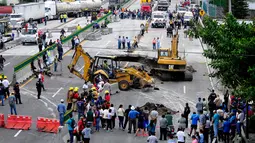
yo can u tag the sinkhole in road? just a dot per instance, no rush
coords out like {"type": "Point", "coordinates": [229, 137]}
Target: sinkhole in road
{"type": "Point", "coordinates": [162, 109]}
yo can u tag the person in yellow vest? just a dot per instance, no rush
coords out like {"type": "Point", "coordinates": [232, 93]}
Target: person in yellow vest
{"type": "Point", "coordinates": [61, 18]}
{"type": "Point", "coordinates": [78, 27]}
{"type": "Point", "coordinates": [65, 17]}
{"type": "Point", "coordinates": [69, 98]}
{"type": "Point", "coordinates": [146, 26]}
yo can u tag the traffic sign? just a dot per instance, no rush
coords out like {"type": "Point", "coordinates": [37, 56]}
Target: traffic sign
{"type": "Point", "coordinates": [202, 12]}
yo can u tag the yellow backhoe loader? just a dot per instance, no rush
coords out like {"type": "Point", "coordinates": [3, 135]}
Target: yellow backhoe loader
{"type": "Point", "coordinates": [108, 68]}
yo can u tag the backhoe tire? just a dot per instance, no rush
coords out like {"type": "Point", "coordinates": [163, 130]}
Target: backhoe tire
{"type": "Point", "coordinates": [188, 76]}
{"type": "Point", "coordinates": [123, 85]}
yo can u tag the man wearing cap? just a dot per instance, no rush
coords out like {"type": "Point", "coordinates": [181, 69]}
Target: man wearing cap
{"type": "Point", "coordinates": [17, 93]}
{"type": "Point", "coordinates": [6, 84]}
{"type": "Point", "coordinates": [61, 110]}
{"type": "Point", "coordinates": [132, 119]}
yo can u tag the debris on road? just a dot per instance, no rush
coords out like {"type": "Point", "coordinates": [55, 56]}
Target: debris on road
{"type": "Point", "coordinates": [161, 108]}
{"type": "Point", "coordinates": [190, 69]}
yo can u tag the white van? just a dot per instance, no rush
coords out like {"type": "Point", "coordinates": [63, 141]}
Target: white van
{"type": "Point", "coordinates": [29, 36]}
{"type": "Point", "coordinates": [159, 19]}
{"type": "Point", "coordinates": [188, 16]}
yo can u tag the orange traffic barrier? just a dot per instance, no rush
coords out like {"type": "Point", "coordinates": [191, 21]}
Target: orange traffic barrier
{"type": "Point", "coordinates": [47, 125]}
{"type": "Point", "coordinates": [1, 120]}
{"type": "Point", "coordinates": [18, 122]}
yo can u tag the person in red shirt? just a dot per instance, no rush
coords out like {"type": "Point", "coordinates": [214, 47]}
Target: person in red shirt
{"type": "Point", "coordinates": [81, 126]}
{"type": "Point", "coordinates": [107, 96]}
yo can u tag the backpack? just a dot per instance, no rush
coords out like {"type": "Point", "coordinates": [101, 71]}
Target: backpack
{"type": "Point", "coordinates": [72, 123]}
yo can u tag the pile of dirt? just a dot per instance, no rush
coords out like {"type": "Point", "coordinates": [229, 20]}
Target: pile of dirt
{"type": "Point", "coordinates": [160, 108]}
{"type": "Point", "coordinates": [190, 69]}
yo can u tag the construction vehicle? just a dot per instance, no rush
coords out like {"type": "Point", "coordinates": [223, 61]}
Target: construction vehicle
{"type": "Point", "coordinates": [98, 67]}
{"type": "Point", "coordinates": [169, 66]}
{"type": "Point", "coordinates": [146, 6]}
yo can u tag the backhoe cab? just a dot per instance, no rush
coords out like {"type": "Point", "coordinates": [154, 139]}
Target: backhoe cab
{"type": "Point", "coordinates": [169, 65]}
{"type": "Point", "coordinates": [109, 68]}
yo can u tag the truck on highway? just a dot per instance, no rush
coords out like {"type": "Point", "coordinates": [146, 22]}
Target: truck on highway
{"type": "Point", "coordinates": [28, 12]}
{"type": "Point", "coordinates": [159, 19]}
{"type": "Point", "coordinates": [78, 8]}
{"type": "Point", "coordinates": [146, 6]}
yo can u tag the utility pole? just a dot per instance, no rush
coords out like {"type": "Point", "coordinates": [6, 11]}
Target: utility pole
{"type": "Point", "coordinates": [229, 6]}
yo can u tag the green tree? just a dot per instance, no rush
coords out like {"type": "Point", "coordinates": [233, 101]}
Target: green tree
{"type": "Point", "coordinates": [231, 51]}
{"type": "Point", "coordinates": [3, 3]}
{"type": "Point", "coordinates": [240, 8]}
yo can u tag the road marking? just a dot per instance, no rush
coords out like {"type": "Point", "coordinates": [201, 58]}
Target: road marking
{"type": "Point", "coordinates": [30, 52]}
{"type": "Point", "coordinates": [98, 53]}
{"type": "Point", "coordinates": [81, 68]}
{"type": "Point", "coordinates": [27, 82]}
{"type": "Point", "coordinates": [57, 91]}
{"type": "Point", "coordinates": [184, 89]}
{"type": "Point", "coordinates": [17, 133]}
{"type": "Point", "coordinates": [6, 64]}
{"type": "Point", "coordinates": [108, 43]}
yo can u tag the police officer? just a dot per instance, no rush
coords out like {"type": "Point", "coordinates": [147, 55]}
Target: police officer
{"type": "Point", "coordinates": [39, 88]}
{"type": "Point", "coordinates": [17, 93]}
{"type": "Point", "coordinates": [61, 18]}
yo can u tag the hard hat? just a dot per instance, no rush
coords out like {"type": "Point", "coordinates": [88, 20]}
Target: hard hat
{"type": "Point", "coordinates": [93, 88]}
{"type": "Point", "coordinates": [106, 92]}
{"type": "Point", "coordinates": [5, 77]}
{"type": "Point", "coordinates": [62, 100]}
{"type": "Point", "coordinates": [1, 77]}
{"type": "Point", "coordinates": [76, 89]}
{"type": "Point", "coordinates": [71, 88]}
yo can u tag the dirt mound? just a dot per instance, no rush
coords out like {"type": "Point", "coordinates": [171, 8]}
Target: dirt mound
{"type": "Point", "coordinates": [160, 108]}
{"type": "Point", "coordinates": [190, 68]}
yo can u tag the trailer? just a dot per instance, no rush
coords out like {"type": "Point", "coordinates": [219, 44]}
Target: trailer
{"type": "Point", "coordinates": [31, 11]}
{"type": "Point", "coordinates": [77, 9]}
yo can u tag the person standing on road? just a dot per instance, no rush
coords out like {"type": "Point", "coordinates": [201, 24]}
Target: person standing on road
{"type": "Point", "coordinates": [2, 60]}
{"type": "Point", "coordinates": [60, 50]}
{"type": "Point", "coordinates": [180, 136]}
{"type": "Point", "coordinates": [169, 118]}
{"type": "Point", "coordinates": [123, 42]}
{"type": "Point", "coordinates": [113, 115]}
{"type": "Point", "coordinates": [71, 125]}
{"type": "Point", "coordinates": [61, 110]}
{"type": "Point", "coordinates": [132, 115]}
{"type": "Point", "coordinates": [154, 115]}
{"type": "Point", "coordinates": [199, 106]}
{"type": "Point", "coordinates": [97, 117]}
{"type": "Point", "coordinates": [55, 62]}
{"type": "Point", "coordinates": [182, 122]}
{"type": "Point", "coordinates": [126, 116]}
{"type": "Point", "coordinates": [194, 118]}
{"type": "Point", "coordinates": [120, 114]}
{"type": "Point", "coordinates": [135, 42]}
{"type": "Point", "coordinates": [65, 17]}
{"type": "Point", "coordinates": [152, 138]}
{"type": "Point", "coordinates": [41, 76]}
{"type": "Point", "coordinates": [2, 93]}
{"type": "Point", "coordinates": [163, 126]}
{"type": "Point", "coordinates": [216, 119]}
{"type": "Point", "coordinates": [81, 107]}
{"type": "Point", "coordinates": [109, 120]}
{"type": "Point", "coordinates": [17, 93]}
{"type": "Point", "coordinates": [119, 42]}
{"type": "Point", "coordinates": [154, 44]}
{"type": "Point", "coordinates": [186, 114]}
{"type": "Point", "coordinates": [158, 43]}
{"type": "Point", "coordinates": [40, 44]}
{"type": "Point", "coordinates": [78, 27]}
{"type": "Point", "coordinates": [86, 134]}
{"type": "Point", "coordinates": [44, 39]}
{"type": "Point", "coordinates": [39, 88]}
{"type": "Point", "coordinates": [61, 18]}
{"type": "Point", "coordinates": [128, 43]}
{"type": "Point", "coordinates": [12, 104]}
{"type": "Point", "coordinates": [6, 84]}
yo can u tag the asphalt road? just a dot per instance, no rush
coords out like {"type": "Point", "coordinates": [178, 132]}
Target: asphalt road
{"type": "Point", "coordinates": [172, 94]}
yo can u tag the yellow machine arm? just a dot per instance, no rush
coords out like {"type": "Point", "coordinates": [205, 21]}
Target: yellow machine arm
{"type": "Point", "coordinates": [174, 47]}
{"type": "Point", "coordinates": [88, 61]}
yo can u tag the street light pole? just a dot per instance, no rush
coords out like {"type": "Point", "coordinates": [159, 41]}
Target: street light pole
{"type": "Point", "coordinates": [229, 6]}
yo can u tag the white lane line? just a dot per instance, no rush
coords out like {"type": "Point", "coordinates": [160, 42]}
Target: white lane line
{"type": "Point", "coordinates": [6, 64]}
{"type": "Point", "coordinates": [97, 53]}
{"type": "Point", "coordinates": [57, 91]}
{"type": "Point", "coordinates": [81, 68]}
{"type": "Point", "coordinates": [184, 89]}
{"type": "Point", "coordinates": [126, 64]}
{"type": "Point", "coordinates": [108, 43]}
{"type": "Point", "coordinates": [17, 133]}
{"type": "Point", "coordinates": [30, 52]}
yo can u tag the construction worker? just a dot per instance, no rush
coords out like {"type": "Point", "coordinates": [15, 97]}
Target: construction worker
{"type": "Point", "coordinates": [78, 27]}
{"type": "Point", "coordinates": [69, 98]}
{"type": "Point", "coordinates": [6, 87]}
{"type": "Point", "coordinates": [61, 18]}
{"type": "Point", "coordinates": [107, 96]}
{"type": "Point", "coordinates": [62, 111]}
{"type": "Point", "coordinates": [95, 93]}
{"type": "Point", "coordinates": [146, 26]}
{"type": "Point", "coordinates": [74, 99]}
{"type": "Point", "coordinates": [65, 17]}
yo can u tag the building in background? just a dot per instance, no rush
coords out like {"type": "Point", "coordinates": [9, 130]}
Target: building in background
{"type": "Point", "coordinates": [251, 9]}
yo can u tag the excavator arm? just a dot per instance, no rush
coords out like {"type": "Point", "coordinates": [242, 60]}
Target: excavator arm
{"type": "Point", "coordinates": [88, 62]}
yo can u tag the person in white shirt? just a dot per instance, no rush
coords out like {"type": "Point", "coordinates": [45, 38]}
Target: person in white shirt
{"type": "Point", "coordinates": [113, 115]}
{"type": "Point", "coordinates": [152, 138]}
{"type": "Point", "coordinates": [180, 136]}
{"type": "Point", "coordinates": [107, 86]}
{"type": "Point", "coordinates": [101, 116]}
{"type": "Point", "coordinates": [154, 115]}
{"type": "Point", "coordinates": [85, 86]}
{"type": "Point", "coordinates": [6, 84]}
{"type": "Point", "coordinates": [105, 117]}
{"type": "Point", "coordinates": [120, 114]}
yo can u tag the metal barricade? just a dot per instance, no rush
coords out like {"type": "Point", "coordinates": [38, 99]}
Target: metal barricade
{"type": "Point", "coordinates": [106, 31]}
{"type": "Point", "coordinates": [96, 35]}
